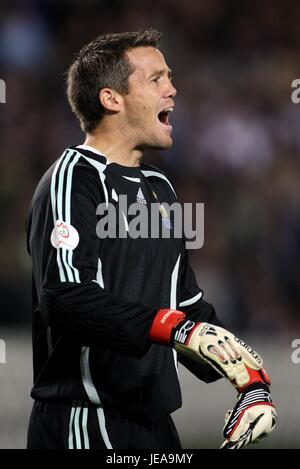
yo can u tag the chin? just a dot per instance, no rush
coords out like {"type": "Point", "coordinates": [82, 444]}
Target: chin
{"type": "Point", "coordinates": [167, 144]}
{"type": "Point", "coordinates": [157, 142]}
{"type": "Point", "coordinates": [162, 144]}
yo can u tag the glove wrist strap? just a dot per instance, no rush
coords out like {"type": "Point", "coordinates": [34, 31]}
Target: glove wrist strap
{"type": "Point", "coordinates": [163, 325]}
{"type": "Point", "coordinates": [256, 376]}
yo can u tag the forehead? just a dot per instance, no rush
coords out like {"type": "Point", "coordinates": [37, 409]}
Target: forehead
{"type": "Point", "coordinates": [146, 60]}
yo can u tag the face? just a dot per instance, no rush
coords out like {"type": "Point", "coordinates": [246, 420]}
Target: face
{"type": "Point", "coordinates": [150, 99]}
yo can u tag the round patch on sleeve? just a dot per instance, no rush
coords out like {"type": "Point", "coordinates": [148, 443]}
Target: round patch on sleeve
{"type": "Point", "coordinates": [64, 236]}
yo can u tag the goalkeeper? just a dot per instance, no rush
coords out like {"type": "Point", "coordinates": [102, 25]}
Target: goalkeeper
{"type": "Point", "coordinates": [112, 314]}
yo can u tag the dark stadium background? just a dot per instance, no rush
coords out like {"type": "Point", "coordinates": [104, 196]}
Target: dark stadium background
{"type": "Point", "coordinates": [236, 148]}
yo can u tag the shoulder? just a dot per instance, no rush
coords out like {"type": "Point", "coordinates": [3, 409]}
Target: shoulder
{"type": "Point", "coordinates": [72, 170]}
{"type": "Point", "coordinates": [75, 164]}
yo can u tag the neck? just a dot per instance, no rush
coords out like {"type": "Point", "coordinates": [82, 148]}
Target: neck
{"type": "Point", "coordinates": [116, 146]}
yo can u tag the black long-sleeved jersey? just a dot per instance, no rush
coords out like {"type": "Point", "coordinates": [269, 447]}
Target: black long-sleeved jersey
{"type": "Point", "coordinates": [95, 297]}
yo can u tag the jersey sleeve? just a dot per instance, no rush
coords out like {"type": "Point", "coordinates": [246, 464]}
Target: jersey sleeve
{"type": "Point", "coordinates": [191, 302]}
{"type": "Point", "coordinates": [73, 301]}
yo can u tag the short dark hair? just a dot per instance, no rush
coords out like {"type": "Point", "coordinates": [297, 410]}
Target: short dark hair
{"type": "Point", "coordinates": [103, 63]}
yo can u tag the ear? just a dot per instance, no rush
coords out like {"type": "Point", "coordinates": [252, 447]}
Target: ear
{"type": "Point", "coordinates": [110, 99]}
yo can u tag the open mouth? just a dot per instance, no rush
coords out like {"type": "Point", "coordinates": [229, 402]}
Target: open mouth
{"type": "Point", "coordinates": [163, 115]}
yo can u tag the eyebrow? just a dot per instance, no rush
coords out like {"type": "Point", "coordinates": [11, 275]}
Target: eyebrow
{"type": "Point", "coordinates": [160, 72]}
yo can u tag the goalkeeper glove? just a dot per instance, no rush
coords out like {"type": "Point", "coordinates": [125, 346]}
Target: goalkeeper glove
{"type": "Point", "coordinates": [253, 418]}
{"type": "Point", "coordinates": [201, 341]}
{"type": "Point", "coordinates": [254, 415]}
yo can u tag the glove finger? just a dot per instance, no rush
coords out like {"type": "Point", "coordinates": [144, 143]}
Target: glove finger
{"type": "Point", "coordinates": [245, 435]}
{"type": "Point", "coordinates": [249, 356]}
{"type": "Point", "coordinates": [240, 443]}
{"type": "Point", "coordinates": [218, 357]}
{"type": "Point", "coordinates": [238, 371]}
{"type": "Point", "coordinates": [223, 356]}
{"type": "Point", "coordinates": [228, 444]}
{"type": "Point", "coordinates": [260, 428]}
{"type": "Point", "coordinates": [265, 425]}
{"type": "Point", "coordinates": [224, 445]}
{"type": "Point", "coordinates": [213, 363]}
{"type": "Point", "coordinates": [232, 350]}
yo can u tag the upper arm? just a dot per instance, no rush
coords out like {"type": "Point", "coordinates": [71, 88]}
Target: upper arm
{"type": "Point", "coordinates": [75, 193]}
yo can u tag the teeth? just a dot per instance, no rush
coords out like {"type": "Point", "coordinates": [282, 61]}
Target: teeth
{"type": "Point", "coordinates": [168, 109]}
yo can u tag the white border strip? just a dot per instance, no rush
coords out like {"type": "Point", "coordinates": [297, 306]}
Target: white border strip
{"type": "Point", "coordinates": [161, 176]}
{"type": "Point", "coordinates": [53, 203]}
{"type": "Point", "coordinates": [99, 276]}
{"type": "Point", "coordinates": [69, 260]}
{"type": "Point", "coordinates": [101, 420]}
{"type": "Point", "coordinates": [92, 149]}
{"type": "Point", "coordinates": [173, 299]}
{"type": "Point", "coordinates": [70, 439]}
{"type": "Point", "coordinates": [85, 428]}
{"type": "Point", "coordinates": [132, 179]}
{"type": "Point", "coordinates": [192, 300]}
{"type": "Point", "coordinates": [77, 430]}
{"type": "Point", "coordinates": [100, 168]}
{"type": "Point", "coordinates": [86, 376]}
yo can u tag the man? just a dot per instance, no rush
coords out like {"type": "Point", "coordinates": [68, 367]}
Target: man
{"type": "Point", "coordinates": [106, 326]}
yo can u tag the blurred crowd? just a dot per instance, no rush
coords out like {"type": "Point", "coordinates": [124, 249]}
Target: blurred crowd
{"type": "Point", "coordinates": [236, 138]}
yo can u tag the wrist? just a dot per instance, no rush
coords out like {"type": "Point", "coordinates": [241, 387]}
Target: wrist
{"type": "Point", "coordinates": [164, 324]}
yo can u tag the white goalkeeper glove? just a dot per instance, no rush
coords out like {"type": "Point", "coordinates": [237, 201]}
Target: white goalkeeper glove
{"type": "Point", "coordinates": [253, 418]}
{"type": "Point", "coordinates": [204, 342]}
{"type": "Point", "coordinates": [254, 415]}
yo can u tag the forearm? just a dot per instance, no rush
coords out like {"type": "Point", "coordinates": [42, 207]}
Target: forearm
{"type": "Point", "coordinates": [94, 317]}
{"type": "Point", "coordinates": [202, 371]}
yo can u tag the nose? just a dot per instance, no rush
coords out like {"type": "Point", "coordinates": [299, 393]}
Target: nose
{"type": "Point", "coordinates": [172, 90]}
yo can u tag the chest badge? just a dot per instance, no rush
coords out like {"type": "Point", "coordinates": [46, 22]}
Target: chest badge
{"type": "Point", "coordinates": [165, 217]}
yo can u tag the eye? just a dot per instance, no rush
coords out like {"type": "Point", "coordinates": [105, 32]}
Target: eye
{"type": "Point", "coordinates": [156, 79]}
